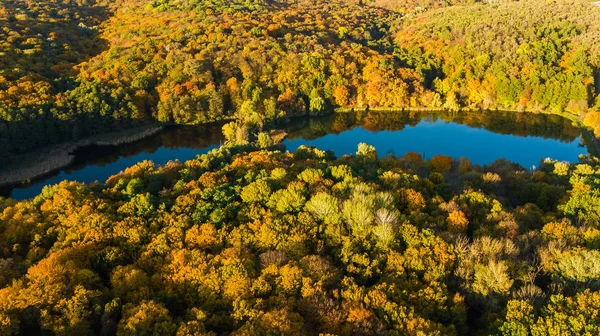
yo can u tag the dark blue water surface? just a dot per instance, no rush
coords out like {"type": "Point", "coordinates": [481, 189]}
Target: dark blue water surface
{"type": "Point", "coordinates": [99, 163]}
{"type": "Point", "coordinates": [429, 138]}
{"type": "Point", "coordinates": [483, 137]}
{"type": "Point", "coordinates": [101, 172]}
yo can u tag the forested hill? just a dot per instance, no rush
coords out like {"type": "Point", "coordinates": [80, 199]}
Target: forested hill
{"type": "Point", "coordinates": [69, 69]}
{"type": "Point", "coordinates": [528, 55]}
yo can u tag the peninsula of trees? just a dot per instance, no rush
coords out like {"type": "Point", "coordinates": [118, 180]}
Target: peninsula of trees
{"type": "Point", "coordinates": [245, 241]}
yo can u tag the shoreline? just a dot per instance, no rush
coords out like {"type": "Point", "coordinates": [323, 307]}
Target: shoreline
{"type": "Point", "coordinates": [592, 143]}
{"type": "Point", "coordinates": [48, 160]}
{"type": "Point", "coordinates": [45, 161]}
{"type": "Point", "coordinates": [568, 116]}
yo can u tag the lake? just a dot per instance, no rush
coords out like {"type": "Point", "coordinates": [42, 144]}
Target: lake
{"type": "Point", "coordinates": [483, 137]}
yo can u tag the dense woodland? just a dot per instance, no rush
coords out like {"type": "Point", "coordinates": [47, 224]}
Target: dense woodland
{"type": "Point", "coordinates": [518, 55]}
{"type": "Point", "coordinates": [252, 240]}
{"type": "Point", "coordinates": [255, 242]}
{"type": "Point", "coordinates": [72, 68]}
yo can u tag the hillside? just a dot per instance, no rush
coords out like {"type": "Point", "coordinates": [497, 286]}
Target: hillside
{"type": "Point", "coordinates": [88, 67]}
{"type": "Point", "coordinates": [527, 55]}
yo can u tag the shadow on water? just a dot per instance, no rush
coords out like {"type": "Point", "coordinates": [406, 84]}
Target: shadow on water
{"type": "Point", "coordinates": [482, 137]}
{"type": "Point", "coordinates": [171, 138]}
{"type": "Point", "coordinates": [98, 163]}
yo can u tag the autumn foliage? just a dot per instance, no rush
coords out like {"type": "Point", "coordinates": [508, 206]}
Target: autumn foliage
{"type": "Point", "coordinates": [248, 241]}
{"type": "Point", "coordinates": [71, 69]}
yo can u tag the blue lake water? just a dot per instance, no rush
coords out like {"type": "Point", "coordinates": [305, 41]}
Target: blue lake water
{"type": "Point", "coordinates": [429, 138]}
{"type": "Point", "coordinates": [483, 138]}
{"type": "Point", "coordinates": [101, 172]}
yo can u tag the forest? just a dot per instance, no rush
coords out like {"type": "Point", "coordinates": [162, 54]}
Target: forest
{"type": "Point", "coordinates": [70, 69]}
{"type": "Point", "coordinates": [252, 241]}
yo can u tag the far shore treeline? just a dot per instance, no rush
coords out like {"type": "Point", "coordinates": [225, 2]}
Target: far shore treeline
{"type": "Point", "coordinates": [74, 68]}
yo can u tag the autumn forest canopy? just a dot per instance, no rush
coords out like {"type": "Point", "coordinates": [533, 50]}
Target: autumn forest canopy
{"type": "Point", "coordinates": [247, 241]}
{"type": "Point", "coordinates": [74, 68]}
{"type": "Point", "coordinates": [250, 239]}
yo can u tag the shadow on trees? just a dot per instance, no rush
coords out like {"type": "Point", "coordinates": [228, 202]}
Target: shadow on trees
{"type": "Point", "coordinates": [45, 43]}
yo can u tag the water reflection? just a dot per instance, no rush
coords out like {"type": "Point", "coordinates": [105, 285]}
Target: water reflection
{"type": "Point", "coordinates": [481, 136]}
{"type": "Point", "coordinates": [510, 123]}
{"type": "Point", "coordinates": [98, 163]}
{"type": "Point", "coordinates": [523, 138]}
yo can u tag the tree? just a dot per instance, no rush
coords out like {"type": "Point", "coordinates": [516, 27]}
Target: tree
{"type": "Point", "coordinates": [492, 279]}
{"type": "Point", "coordinates": [560, 316]}
{"type": "Point", "coordinates": [264, 140]}
{"type": "Point", "coordinates": [366, 150]}
{"type": "Point", "coordinates": [341, 95]}
{"type": "Point", "coordinates": [441, 163]}
{"type": "Point", "coordinates": [258, 191]}
{"type": "Point", "coordinates": [325, 208]}
{"type": "Point", "coordinates": [146, 318]}
{"type": "Point", "coordinates": [316, 103]}
{"type": "Point", "coordinates": [457, 221]}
